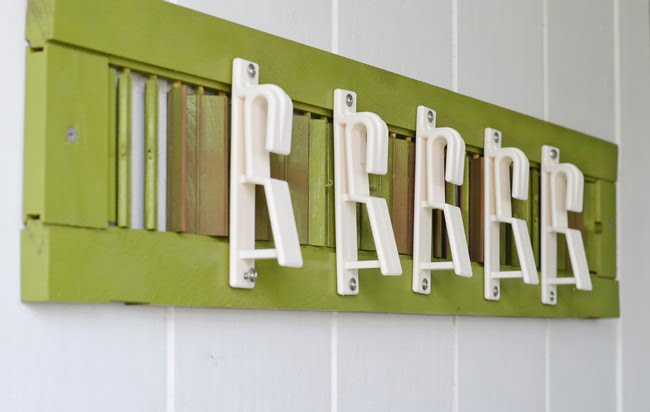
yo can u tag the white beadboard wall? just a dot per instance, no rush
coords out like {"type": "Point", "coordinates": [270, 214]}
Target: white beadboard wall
{"type": "Point", "coordinates": [584, 64]}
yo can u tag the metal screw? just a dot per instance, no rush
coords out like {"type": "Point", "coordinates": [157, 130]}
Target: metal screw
{"type": "Point", "coordinates": [251, 70]}
{"type": "Point", "coordinates": [349, 100]}
{"type": "Point", "coordinates": [72, 134]}
{"type": "Point", "coordinates": [251, 275]}
{"type": "Point", "coordinates": [353, 282]}
{"type": "Point", "coordinates": [430, 116]}
{"type": "Point", "coordinates": [553, 154]}
{"type": "Point", "coordinates": [495, 291]}
{"type": "Point", "coordinates": [496, 137]}
{"type": "Point", "coordinates": [551, 296]}
{"type": "Point", "coordinates": [425, 284]}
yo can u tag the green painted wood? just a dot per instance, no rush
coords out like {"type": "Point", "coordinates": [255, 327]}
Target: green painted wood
{"type": "Point", "coordinates": [66, 179]}
{"type": "Point", "coordinates": [40, 19]}
{"type": "Point", "coordinates": [476, 235]}
{"type": "Point", "coordinates": [176, 153]}
{"type": "Point", "coordinates": [112, 146]}
{"type": "Point", "coordinates": [606, 214]}
{"type": "Point", "coordinates": [331, 215]}
{"type": "Point", "coordinates": [140, 266]}
{"type": "Point", "coordinates": [307, 74]}
{"type": "Point", "coordinates": [124, 149]}
{"type": "Point", "coordinates": [213, 171]}
{"type": "Point", "coordinates": [34, 167]}
{"type": "Point", "coordinates": [318, 182]}
{"type": "Point", "coordinates": [190, 160]}
{"type": "Point", "coordinates": [297, 174]}
{"type": "Point", "coordinates": [151, 153]}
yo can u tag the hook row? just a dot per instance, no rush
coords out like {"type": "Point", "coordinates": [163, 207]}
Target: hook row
{"type": "Point", "coordinates": [261, 124]}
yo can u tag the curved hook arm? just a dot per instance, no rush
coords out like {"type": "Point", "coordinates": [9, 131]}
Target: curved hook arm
{"type": "Point", "coordinates": [268, 115]}
{"type": "Point", "coordinates": [437, 170]}
{"type": "Point", "coordinates": [567, 190]}
{"type": "Point", "coordinates": [367, 142]}
{"type": "Point", "coordinates": [503, 158]}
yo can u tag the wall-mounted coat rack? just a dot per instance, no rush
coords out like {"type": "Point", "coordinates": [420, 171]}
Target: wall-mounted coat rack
{"type": "Point", "coordinates": [127, 119]}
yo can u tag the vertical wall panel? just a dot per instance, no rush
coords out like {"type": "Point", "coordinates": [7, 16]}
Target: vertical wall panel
{"type": "Point", "coordinates": [500, 60]}
{"type": "Point", "coordinates": [306, 22]}
{"type": "Point", "coordinates": [240, 360]}
{"type": "Point", "coordinates": [582, 354]}
{"type": "Point", "coordinates": [394, 363]}
{"type": "Point", "coordinates": [501, 364]}
{"type": "Point", "coordinates": [633, 220]}
{"type": "Point", "coordinates": [500, 57]}
{"type": "Point", "coordinates": [582, 365]}
{"type": "Point", "coordinates": [581, 65]}
{"type": "Point", "coordinates": [412, 38]}
{"type": "Point", "coordinates": [62, 357]}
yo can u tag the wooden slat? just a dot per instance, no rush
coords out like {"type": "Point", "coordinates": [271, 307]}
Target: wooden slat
{"type": "Point", "coordinates": [176, 162]}
{"type": "Point", "coordinates": [213, 171]}
{"type": "Point", "coordinates": [411, 195]}
{"type": "Point", "coordinates": [112, 146]}
{"type": "Point", "coordinates": [476, 208]}
{"type": "Point", "coordinates": [124, 149]}
{"type": "Point", "coordinates": [402, 203]}
{"type": "Point", "coordinates": [190, 197]}
{"type": "Point", "coordinates": [297, 174]}
{"type": "Point", "coordinates": [318, 182]}
{"type": "Point", "coordinates": [331, 216]}
{"type": "Point", "coordinates": [151, 154]}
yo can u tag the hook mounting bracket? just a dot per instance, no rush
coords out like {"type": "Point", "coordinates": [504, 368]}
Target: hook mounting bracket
{"type": "Point", "coordinates": [261, 124]}
{"type": "Point", "coordinates": [498, 209]}
{"type": "Point", "coordinates": [431, 172]}
{"type": "Point", "coordinates": [562, 191]}
{"type": "Point", "coordinates": [360, 148]}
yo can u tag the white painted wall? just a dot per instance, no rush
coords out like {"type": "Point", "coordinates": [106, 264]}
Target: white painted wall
{"type": "Point", "coordinates": [581, 63]}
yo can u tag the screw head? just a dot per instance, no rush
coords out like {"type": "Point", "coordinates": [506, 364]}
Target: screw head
{"type": "Point", "coordinates": [349, 100]}
{"type": "Point", "coordinates": [495, 291]}
{"type": "Point", "coordinates": [72, 134]}
{"type": "Point", "coordinates": [352, 284]}
{"type": "Point", "coordinates": [252, 71]}
{"type": "Point", "coordinates": [251, 275]}
{"type": "Point", "coordinates": [551, 296]}
{"type": "Point", "coordinates": [430, 116]}
{"type": "Point", "coordinates": [553, 154]}
{"type": "Point", "coordinates": [425, 284]}
{"type": "Point", "coordinates": [496, 137]}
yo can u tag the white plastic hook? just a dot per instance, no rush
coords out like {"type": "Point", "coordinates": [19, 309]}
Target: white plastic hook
{"type": "Point", "coordinates": [360, 148]}
{"type": "Point", "coordinates": [430, 175]}
{"type": "Point", "coordinates": [261, 123]}
{"type": "Point", "coordinates": [562, 190]}
{"type": "Point", "coordinates": [498, 209]}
